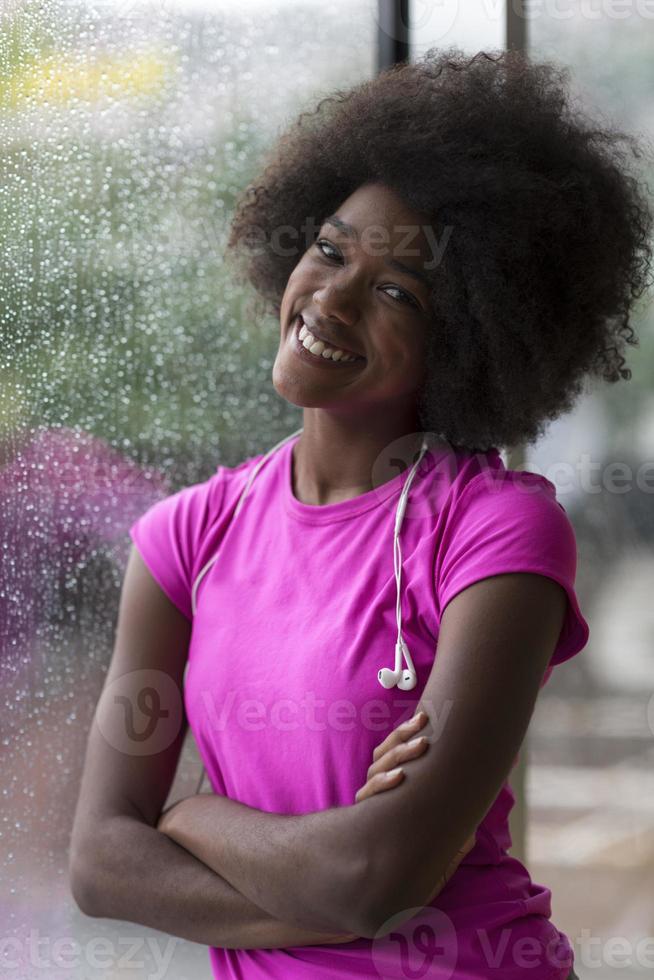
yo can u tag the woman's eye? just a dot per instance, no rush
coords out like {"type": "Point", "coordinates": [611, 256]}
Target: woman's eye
{"type": "Point", "coordinates": [322, 242]}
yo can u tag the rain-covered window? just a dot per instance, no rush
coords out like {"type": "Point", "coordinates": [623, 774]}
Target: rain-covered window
{"type": "Point", "coordinates": [129, 366]}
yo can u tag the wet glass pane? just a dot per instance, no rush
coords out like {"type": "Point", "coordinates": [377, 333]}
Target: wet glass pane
{"type": "Point", "coordinates": [130, 367]}
{"type": "Point", "coordinates": [590, 791]}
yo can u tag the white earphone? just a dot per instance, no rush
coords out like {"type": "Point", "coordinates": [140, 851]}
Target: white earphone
{"type": "Point", "coordinates": [406, 679]}
{"type": "Point", "coordinates": [403, 678]}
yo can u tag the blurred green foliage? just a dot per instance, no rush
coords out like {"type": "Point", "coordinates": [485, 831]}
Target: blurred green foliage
{"type": "Point", "coordinates": [117, 312]}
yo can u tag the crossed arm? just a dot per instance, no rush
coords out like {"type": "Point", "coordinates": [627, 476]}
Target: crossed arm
{"type": "Point", "coordinates": [352, 868]}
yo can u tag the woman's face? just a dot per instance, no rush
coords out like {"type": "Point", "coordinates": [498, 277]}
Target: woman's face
{"type": "Point", "coordinates": [351, 293]}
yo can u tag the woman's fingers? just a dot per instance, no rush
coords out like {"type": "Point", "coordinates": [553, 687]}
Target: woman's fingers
{"type": "Point", "coordinates": [408, 748]}
{"type": "Point", "coordinates": [401, 745]}
{"type": "Point", "coordinates": [400, 734]}
{"type": "Point", "coordinates": [378, 783]}
{"type": "Point", "coordinates": [385, 773]}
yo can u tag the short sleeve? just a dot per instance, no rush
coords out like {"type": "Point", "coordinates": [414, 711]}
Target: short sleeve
{"type": "Point", "coordinates": [169, 534]}
{"type": "Point", "coordinates": [511, 523]}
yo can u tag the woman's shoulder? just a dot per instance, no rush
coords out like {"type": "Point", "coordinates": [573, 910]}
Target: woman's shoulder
{"type": "Point", "coordinates": [485, 497]}
{"type": "Point", "coordinates": [231, 479]}
{"type": "Point", "coordinates": [191, 507]}
{"type": "Point", "coordinates": [484, 478]}
{"type": "Point", "coordinates": [225, 471]}
{"type": "Point", "coordinates": [174, 533]}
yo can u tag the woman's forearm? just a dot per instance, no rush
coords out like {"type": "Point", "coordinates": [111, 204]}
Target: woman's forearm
{"type": "Point", "coordinates": [303, 868]}
{"type": "Point", "coordinates": [140, 875]}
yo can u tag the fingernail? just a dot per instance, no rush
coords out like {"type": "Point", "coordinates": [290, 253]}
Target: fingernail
{"type": "Point", "coordinates": [417, 741]}
{"type": "Point", "coordinates": [412, 721]}
{"type": "Point", "coordinates": [394, 772]}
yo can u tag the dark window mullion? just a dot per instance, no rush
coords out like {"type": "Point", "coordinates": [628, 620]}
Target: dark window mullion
{"type": "Point", "coordinates": [515, 25]}
{"type": "Point", "coordinates": [392, 33]}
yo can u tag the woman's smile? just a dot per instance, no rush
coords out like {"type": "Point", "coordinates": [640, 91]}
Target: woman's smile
{"type": "Point", "coordinates": [318, 357]}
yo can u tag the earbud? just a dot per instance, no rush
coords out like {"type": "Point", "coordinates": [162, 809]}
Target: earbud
{"type": "Point", "coordinates": [408, 680]}
{"type": "Point", "coordinates": [388, 678]}
{"type": "Point", "coordinates": [403, 678]}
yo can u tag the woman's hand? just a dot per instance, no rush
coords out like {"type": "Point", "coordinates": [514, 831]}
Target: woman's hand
{"type": "Point", "coordinates": [383, 774]}
{"type": "Point", "coordinates": [395, 749]}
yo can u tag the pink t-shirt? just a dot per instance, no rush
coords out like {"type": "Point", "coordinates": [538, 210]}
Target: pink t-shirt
{"type": "Point", "coordinates": [293, 621]}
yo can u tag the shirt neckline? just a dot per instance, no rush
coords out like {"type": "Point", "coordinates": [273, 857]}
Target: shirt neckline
{"type": "Point", "coordinates": [343, 509]}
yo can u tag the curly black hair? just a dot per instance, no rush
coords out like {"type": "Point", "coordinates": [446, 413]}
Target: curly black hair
{"type": "Point", "coordinates": [549, 240]}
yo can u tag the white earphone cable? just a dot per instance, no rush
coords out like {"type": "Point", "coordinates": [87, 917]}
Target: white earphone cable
{"type": "Point", "coordinates": [254, 472]}
{"type": "Point", "coordinates": [406, 680]}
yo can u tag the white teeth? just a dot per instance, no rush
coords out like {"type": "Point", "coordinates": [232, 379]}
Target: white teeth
{"type": "Point", "coordinates": [319, 348]}
{"type": "Point", "coordinates": [315, 346]}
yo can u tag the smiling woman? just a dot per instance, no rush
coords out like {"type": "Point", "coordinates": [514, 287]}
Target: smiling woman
{"type": "Point", "coordinates": [500, 194]}
{"type": "Point", "coordinates": [454, 286]}
{"type": "Point", "coordinates": [342, 294]}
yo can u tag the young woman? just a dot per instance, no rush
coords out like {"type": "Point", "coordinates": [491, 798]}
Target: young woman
{"type": "Point", "coordinates": [471, 250]}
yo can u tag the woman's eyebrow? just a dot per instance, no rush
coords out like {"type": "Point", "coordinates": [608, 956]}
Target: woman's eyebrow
{"type": "Point", "coordinates": [351, 232]}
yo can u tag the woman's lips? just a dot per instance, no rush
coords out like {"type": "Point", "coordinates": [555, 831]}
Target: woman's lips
{"type": "Point", "coordinates": [315, 359]}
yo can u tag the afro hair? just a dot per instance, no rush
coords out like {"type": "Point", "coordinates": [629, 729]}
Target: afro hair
{"type": "Point", "coordinates": [549, 231]}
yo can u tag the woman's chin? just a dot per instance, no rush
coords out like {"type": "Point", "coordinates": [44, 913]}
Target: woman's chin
{"type": "Point", "coordinates": [290, 386]}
